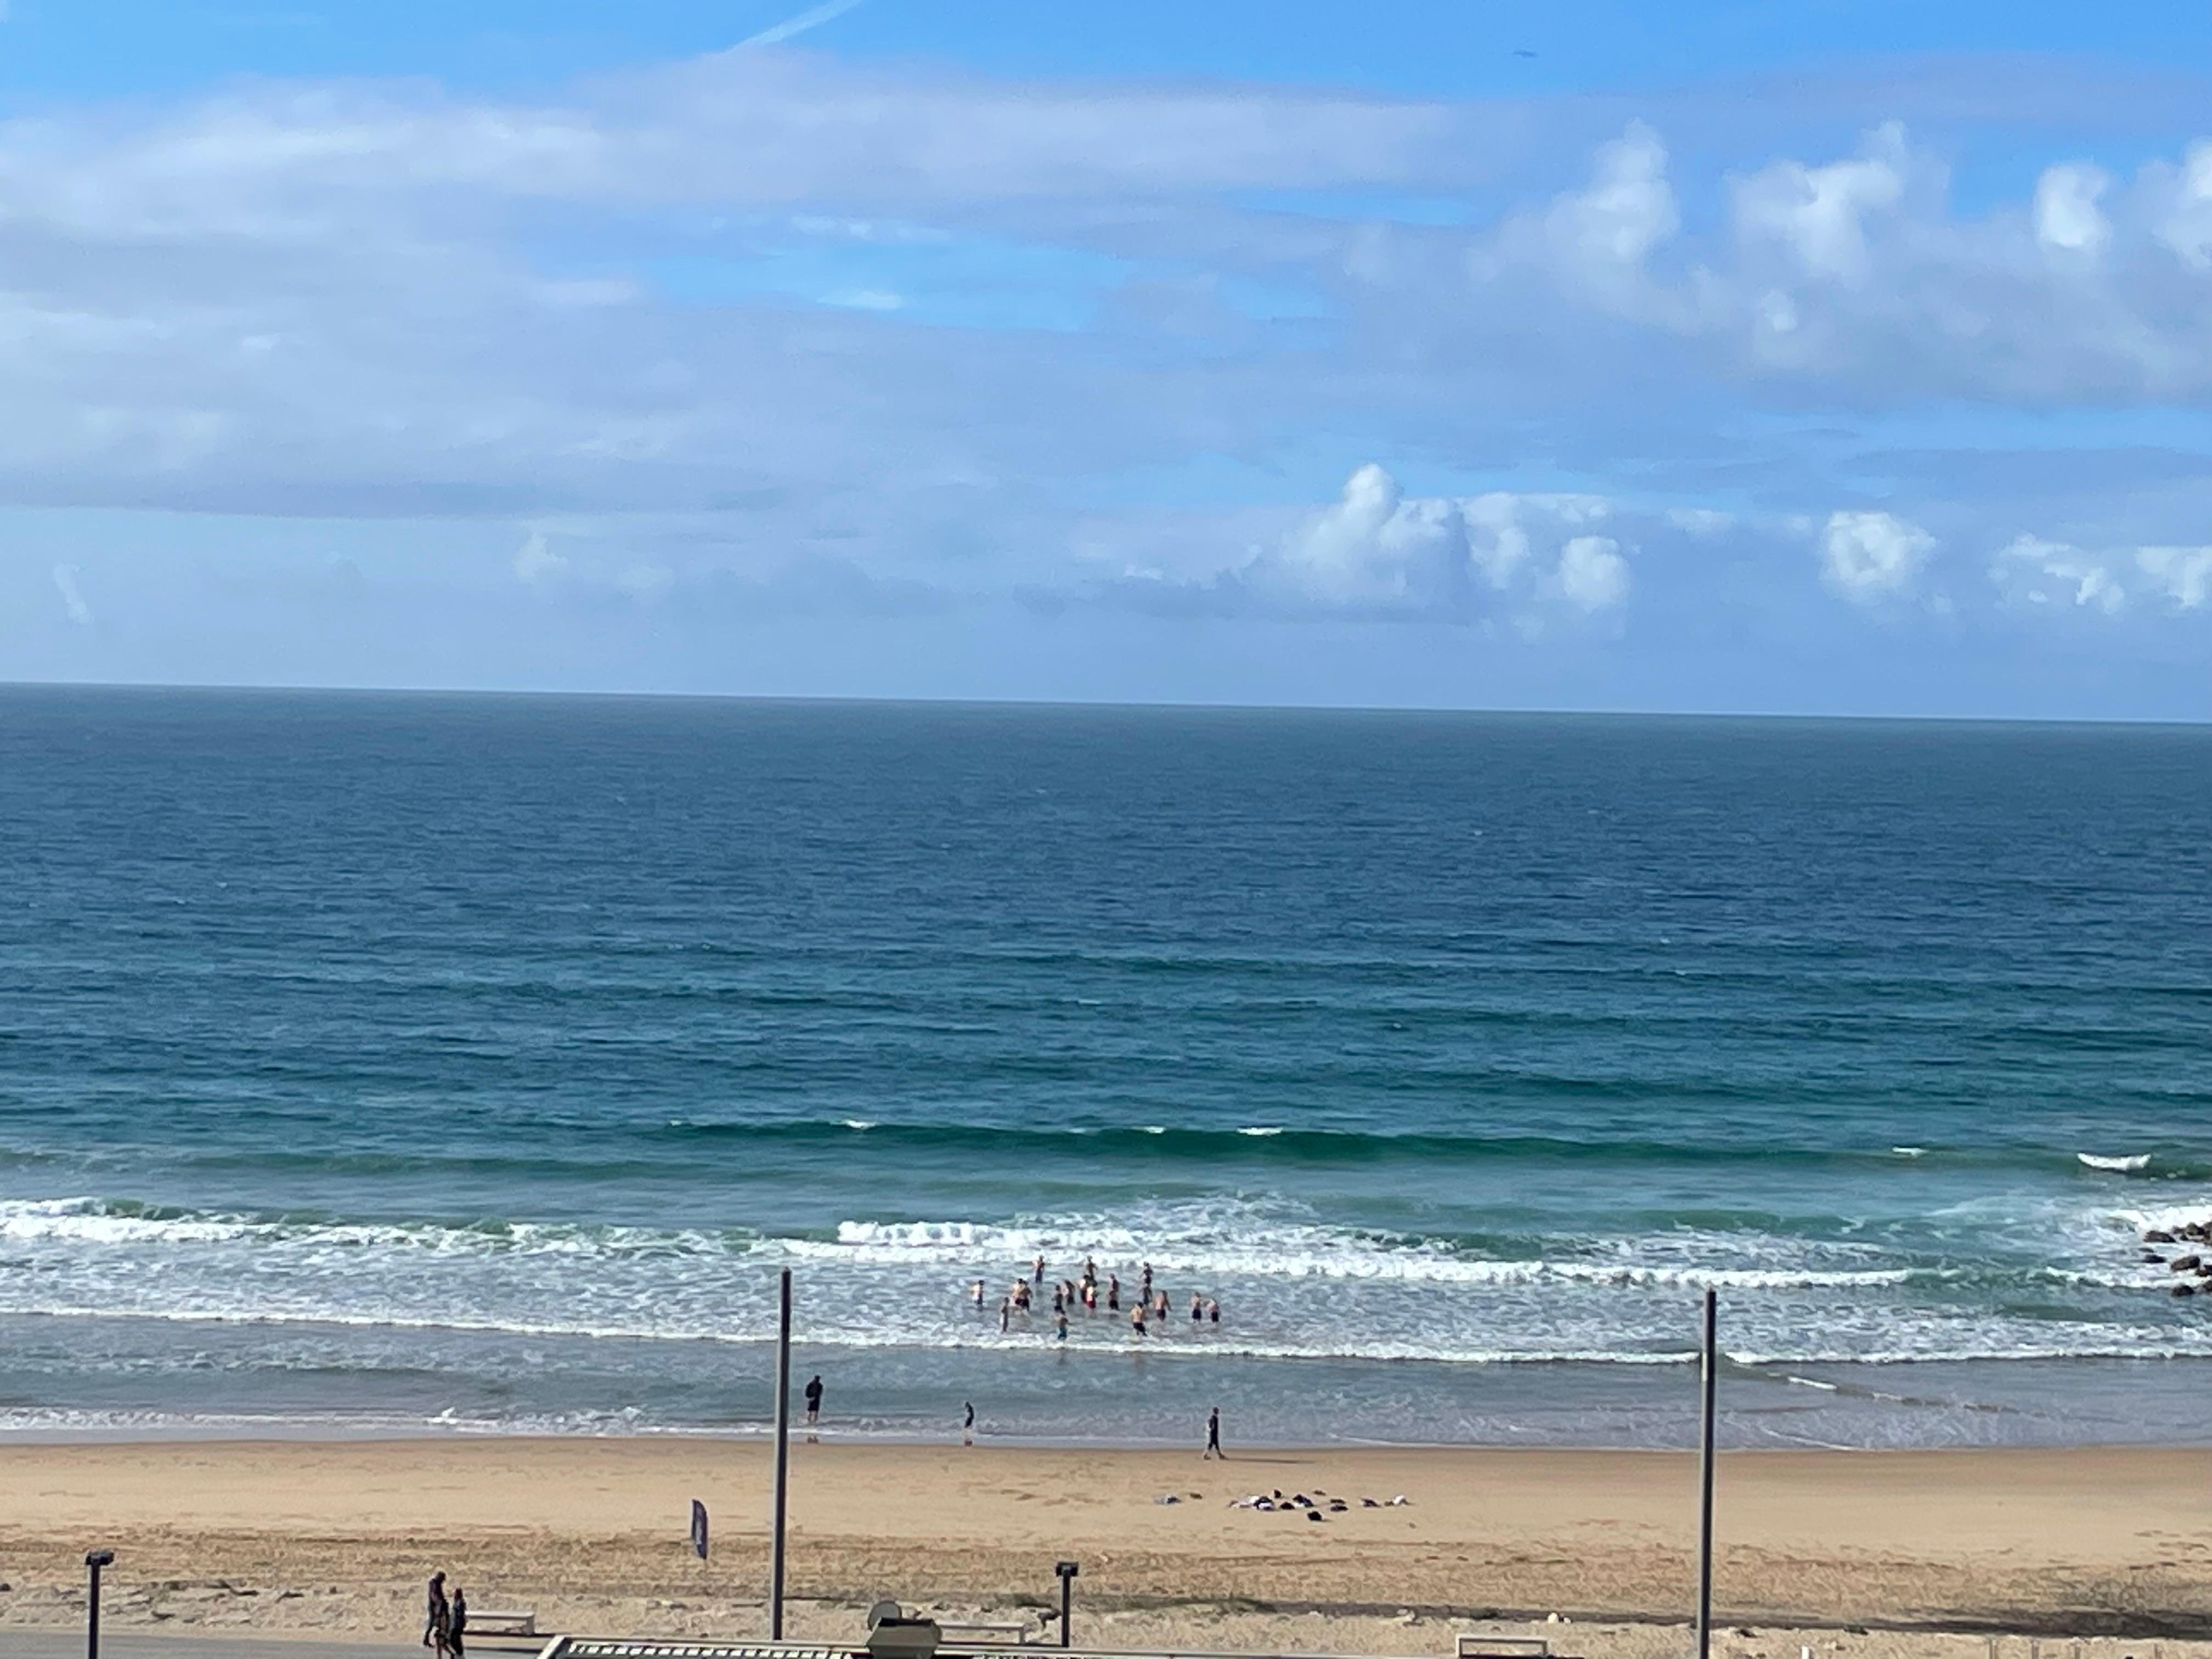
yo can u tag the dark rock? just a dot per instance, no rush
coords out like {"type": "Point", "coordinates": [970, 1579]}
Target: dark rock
{"type": "Point", "coordinates": [2157, 1235]}
{"type": "Point", "coordinates": [2185, 1290]}
{"type": "Point", "coordinates": [2182, 1264]}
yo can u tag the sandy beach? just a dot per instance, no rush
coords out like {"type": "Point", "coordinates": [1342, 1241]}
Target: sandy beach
{"type": "Point", "coordinates": [334, 1538]}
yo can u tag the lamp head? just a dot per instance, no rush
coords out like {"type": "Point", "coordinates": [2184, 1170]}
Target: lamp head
{"type": "Point", "coordinates": [1066, 1569]}
{"type": "Point", "coordinates": [99, 1558]}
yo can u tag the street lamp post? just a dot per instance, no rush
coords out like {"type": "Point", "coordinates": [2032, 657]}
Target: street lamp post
{"type": "Point", "coordinates": [1067, 1569]}
{"type": "Point", "coordinates": [93, 1561]}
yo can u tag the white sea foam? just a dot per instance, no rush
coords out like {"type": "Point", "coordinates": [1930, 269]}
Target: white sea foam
{"type": "Point", "coordinates": [1292, 1286]}
{"type": "Point", "coordinates": [2129, 1165]}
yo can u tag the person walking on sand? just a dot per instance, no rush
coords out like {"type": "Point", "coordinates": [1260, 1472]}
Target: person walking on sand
{"type": "Point", "coordinates": [1213, 1438]}
{"type": "Point", "coordinates": [457, 1624]}
{"type": "Point", "coordinates": [814, 1400]}
{"type": "Point", "coordinates": [433, 1627]}
{"type": "Point", "coordinates": [967, 1422]}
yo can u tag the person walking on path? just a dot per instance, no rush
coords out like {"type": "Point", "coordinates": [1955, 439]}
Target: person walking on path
{"type": "Point", "coordinates": [434, 1628]}
{"type": "Point", "coordinates": [1213, 1438]}
{"type": "Point", "coordinates": [456, 1623]}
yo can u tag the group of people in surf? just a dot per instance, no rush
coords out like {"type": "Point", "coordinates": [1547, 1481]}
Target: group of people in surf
{"type": "Point", "coordinates": [1150, 1310]}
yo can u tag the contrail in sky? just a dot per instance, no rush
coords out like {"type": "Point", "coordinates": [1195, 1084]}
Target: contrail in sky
{"type": "Point", "coordinates": [812, 17]}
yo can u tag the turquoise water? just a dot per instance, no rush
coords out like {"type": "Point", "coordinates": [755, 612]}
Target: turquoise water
{"type": "Point", "coordinates": [368, 1060]}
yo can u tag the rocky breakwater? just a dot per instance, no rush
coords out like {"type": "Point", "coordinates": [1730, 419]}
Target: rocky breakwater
{"type": "Point", "coordinates": [2170, 1248]}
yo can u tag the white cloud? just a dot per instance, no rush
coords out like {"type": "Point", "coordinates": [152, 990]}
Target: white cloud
{"type": "Point", "coordinates": [1871, 557]}
{"type": "Point", "coordinates": [2067, 216]}
{"type": "Point", "coordinates": [2183, 206]}
{"type": "Point", "coordinates": [536, 564]}
{"type": "Point", "coordinates": [1821, 214]}
{"type": "Point", "coordinates": [2030, 572]}
{"type": "Point", "coordinates": [73, 600]}
{"type": "Point", "coordinates": [2182, 575]}
{"type": "Point", "coordinates": [1372, 550]}
{"type": "Point", "coordinates": [1378, 552]}
{"type": "Point", "coordinates": [1592, 574]}
{"type": "Point", "coordinates": [1604, 233]}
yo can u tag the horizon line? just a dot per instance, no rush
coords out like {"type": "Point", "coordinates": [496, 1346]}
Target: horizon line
{"type": "Point", "coordinates": [1160, 705]}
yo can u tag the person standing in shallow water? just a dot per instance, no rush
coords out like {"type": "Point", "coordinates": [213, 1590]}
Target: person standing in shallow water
{"type": "Point", "coordinates": [1213, 1438]}
{"type": "Point", "coordinates": [968, 1422]}
{"type": "Point", "coordinates": [814, 1400]}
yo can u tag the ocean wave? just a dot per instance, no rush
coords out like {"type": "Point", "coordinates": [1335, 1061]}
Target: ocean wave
{"type": "Point", "coordinates": [1228, 1237]}
{"type": "Point", "coordinates": [2131, 1163]}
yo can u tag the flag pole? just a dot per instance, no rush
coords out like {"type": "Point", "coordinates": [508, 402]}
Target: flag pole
{"type": "Point", "coordinates": [1708, 1374]}
{"type": "Point", "coordinates": [782, 1458]}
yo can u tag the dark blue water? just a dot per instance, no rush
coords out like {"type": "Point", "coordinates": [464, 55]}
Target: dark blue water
{"type": "Point", "coordinates": [369, 1059]}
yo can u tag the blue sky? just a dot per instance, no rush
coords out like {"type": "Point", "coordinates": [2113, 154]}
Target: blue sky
{"type": "Point", "coordinates": [1844, 357]}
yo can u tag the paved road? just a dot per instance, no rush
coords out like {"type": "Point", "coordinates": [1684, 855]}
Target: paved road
{"type": "Point", "coordinates": [127, 1644]}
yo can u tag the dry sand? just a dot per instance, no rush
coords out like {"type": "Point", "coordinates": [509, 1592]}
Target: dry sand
{"type": "Point", "coordinates": [336, 1537]}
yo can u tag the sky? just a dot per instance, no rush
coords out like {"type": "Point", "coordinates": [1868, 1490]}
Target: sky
{"type": "Point", "coordinates": [1850, 357]}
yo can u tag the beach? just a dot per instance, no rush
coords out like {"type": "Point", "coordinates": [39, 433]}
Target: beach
{"type": "Point", "coordinates": [333, 1538]}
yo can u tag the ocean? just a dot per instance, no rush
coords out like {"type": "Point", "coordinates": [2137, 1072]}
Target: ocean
{"type": "Point", "coordinates": [377, 1062]}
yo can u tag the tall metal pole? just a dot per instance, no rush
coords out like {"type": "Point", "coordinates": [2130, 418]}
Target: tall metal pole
{"type": "Point", "coordinates": [93, 1561]}
{"type": "Point", "coordinates": [1709, 1372]}
{"type": "Point", "coordinates": [782, 1458]}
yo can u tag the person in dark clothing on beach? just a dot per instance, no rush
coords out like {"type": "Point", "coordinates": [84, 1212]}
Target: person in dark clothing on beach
{"type": "Point", "coordinates": [1213, 1437]}
{"type": "Point", "coordinates": [435, 1615]}
{"type": "Point", "coordinates": [968, 1422]}
{"type": "Point", "coordinates": [456, 1623]}
{"type": "Point", "coordinates": [814, 1400]}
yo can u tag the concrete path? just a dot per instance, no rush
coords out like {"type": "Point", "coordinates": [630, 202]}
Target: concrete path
{"type": "Point", "coordinates": [130, 1644]}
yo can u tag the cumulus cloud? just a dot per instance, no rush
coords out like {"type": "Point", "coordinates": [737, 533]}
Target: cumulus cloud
{"type": "Point", "coordinates": [1868, 557]}
{"type": "Point", "coordinates": [2067, 216]}
{"type": "Point", "coordinates": [2182, 575]}
{"type": "Point", "coordinates": [1377, 552]}
{"type": "Point", "coordinates": [2033, 573]}
{"type": "Point", "coordinates": [1592, 574]}
{"type": "Point", "coordinates": [73, 601]}
{"type": "Point", "coordinates": [535, 563]}
{"type": "Point", "coordinates": [1821, 214]}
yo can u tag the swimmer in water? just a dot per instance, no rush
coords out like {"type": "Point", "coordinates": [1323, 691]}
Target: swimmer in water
{"type": "Point", "coordinates": [1037, 1272]}
{"type": "Point", "coordinates": [976, 1289]}
{"type": "Point", "coordinates": [1113, 1293]}
{"type": "Point", "coordinates": [1137, 1321]}
{"type": "Point", "coordinates": [1213, 1311]}
{"type": "Point", "coordinates": [1005, 1312]}
{"type": "Point", "coordinates": [1197, 1308]}
{"type": "Point", "coordinates": [1060, 1328]}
